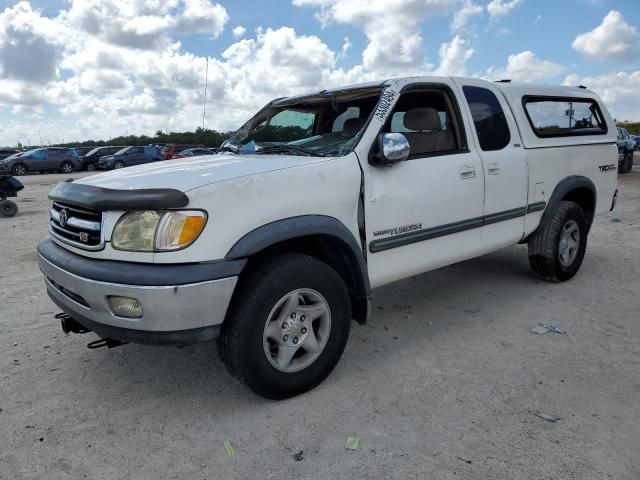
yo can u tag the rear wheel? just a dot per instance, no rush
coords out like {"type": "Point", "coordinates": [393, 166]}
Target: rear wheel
{"type": "Point", "coordinates": [19, 169]}
{"type": "Point", "coordinates": [627, 164]}
{"type": "Point", "coordinates": [287, 327]}
{"type": "Point", "coordinates": [557, 248]}
{"type": "Point", "coordinates": [8, 208]}
{"type": "Point", "coordinates": [66, 167]}
{"type": "Point", "coordinates": [118, 164]}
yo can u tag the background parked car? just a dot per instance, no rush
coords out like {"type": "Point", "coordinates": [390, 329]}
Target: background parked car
{"type": "Point", "coordinates": [82, 151]}
{"type": "Point", "coordinates": [626, 145]}
{"type": "Point", "coordinates": [60, 159]}
{"type": "Point", "coordinates": [171, 149]}
{"type": "Point", "coordinates": [636, 138]}
{"type": "Point", "coordinates": [7, 152]}
{"type": "Point", "coordinates": [90, 159]}
{"type": "Point", "coordinates": [129, 156]}
{"type": "Point", "coordinates": [195, 152]}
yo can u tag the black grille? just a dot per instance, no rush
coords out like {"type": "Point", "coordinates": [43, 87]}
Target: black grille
{"type": "Point", "coordinates": [76, 226]}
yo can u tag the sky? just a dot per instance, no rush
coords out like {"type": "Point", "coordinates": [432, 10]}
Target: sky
{"type": "Point", "coordinates": [73, 70]}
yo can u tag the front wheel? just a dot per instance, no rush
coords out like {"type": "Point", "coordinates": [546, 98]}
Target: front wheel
{"type": "Point", "coordinates": [557, 248]}
{"type": "Point", "coordinates": [119, 164]}
{"type": "Point", "coordinates": [91, 167]}
{"type": "Point", "coordinates": [8, 208]}
{"type": "Point", "coordinates": [19, 169]}
{"type": "Point", "coordinates": [66, 167]}
{"type": "Point", "coordinates": [287, 327]}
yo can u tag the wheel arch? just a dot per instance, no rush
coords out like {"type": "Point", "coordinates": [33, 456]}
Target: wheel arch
{"type": "Point", "coordinates": [578, 189]}
{"type": "Point", "coordinates": [320, 236]}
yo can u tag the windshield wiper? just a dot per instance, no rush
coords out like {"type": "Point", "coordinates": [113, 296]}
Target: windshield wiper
{"type": "Point", "coordinates": [288, 149]}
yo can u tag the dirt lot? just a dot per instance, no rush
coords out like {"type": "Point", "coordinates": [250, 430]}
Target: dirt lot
{"type": "Point", "coordinates": [443, 383]}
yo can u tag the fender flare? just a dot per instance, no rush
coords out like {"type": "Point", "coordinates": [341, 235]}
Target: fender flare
{"type": "Point", "coordinates": [303, 226]}
{"type": "Point", "coordinates": [565, 186]}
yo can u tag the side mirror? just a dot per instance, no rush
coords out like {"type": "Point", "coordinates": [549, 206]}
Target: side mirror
{"type": "Point", "coordinates": [392, 148]}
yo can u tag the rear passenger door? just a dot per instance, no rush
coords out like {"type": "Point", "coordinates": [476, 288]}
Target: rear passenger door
{"type": "Point", "coordinates": [504, 160]}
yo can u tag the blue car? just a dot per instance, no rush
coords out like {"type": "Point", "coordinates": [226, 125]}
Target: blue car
{"type": "Point", "coordinates": [129, 156]}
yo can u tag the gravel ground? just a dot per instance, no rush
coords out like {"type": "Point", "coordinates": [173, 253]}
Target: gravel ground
{"type": "Point", "coordinates": [444, 382]}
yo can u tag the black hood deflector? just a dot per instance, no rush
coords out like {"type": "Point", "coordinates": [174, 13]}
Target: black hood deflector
{"type": "Point", "coordinates": [98, 198]}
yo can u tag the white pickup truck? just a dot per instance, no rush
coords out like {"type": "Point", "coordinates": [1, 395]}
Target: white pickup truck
{"type": "Point", "coordinates": [273, 245]}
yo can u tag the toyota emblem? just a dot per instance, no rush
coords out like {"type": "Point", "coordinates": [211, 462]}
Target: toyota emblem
{"type": "Point", "coordinates": [63, 217]}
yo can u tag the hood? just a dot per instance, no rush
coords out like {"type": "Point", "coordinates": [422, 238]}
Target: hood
{"type": "Point", "coordinates": [192, 172]}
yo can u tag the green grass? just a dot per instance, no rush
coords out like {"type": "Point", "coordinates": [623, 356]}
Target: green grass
{"type": "Point", "coordinates": [632, 127]}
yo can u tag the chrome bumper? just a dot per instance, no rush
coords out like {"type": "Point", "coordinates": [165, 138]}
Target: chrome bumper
{"type": "Point", "coordinates": [166, 309]}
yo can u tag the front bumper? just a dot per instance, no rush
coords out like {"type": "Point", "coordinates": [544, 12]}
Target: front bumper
{"type": "Point", "coordinates": [181, 304]}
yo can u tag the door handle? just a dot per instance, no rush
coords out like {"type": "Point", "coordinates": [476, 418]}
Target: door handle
{"type": "Point", "coordinates": [493, 169]}
{"type": "Point", "coordinates": [467, 171]}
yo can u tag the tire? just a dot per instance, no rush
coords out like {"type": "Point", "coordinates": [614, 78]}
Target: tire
{"type": "Point", "coordinates": [8, 208]}
{"type": "Point", "coordinates": [118, 164]}
{"type": "Point", "coordinates": [19, 169]}
{"type": "Point", "coordinates": [627, 163]}
{"type": "Point", "coordinates": [548, 256]}
{"type": "Point", "coordinates": [66, 167]}
{"type": "Point", "coordinates": [276, 290]}
{"type": "Point", "coordinates": [91, 167]}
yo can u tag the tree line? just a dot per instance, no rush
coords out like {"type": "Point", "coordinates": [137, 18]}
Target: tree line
{"type": "Point", "coordinates": [201, 136]}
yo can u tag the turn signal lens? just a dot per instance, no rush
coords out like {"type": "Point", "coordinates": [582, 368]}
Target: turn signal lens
{"type": "Point", "coordinates": [178, 229]}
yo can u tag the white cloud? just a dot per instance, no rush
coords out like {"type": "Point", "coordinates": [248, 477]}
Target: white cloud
{"type": "Point", "coordinates": [392, 28]}
{"type": "Point", "coordinates": [453, 57]}
{"type": "Point", "coordinates": [501, 8]}
{"type": "Point", "coordinates": [239, 31]}
{"type": "Point", "coordinates": [464, 14]}
{"type": "Point", "coordinates": [145, 24]}
{"type": "Point", "coordinates": [618, 90]}
{"type": "Point", "coordinates": [525, 66]}
{"type": "Point", "coordinates": [30, 48]}
{"type": "Point", "coordinates": [613, 39]}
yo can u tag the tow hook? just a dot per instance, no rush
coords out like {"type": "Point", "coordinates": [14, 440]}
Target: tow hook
{"type": "Point", "coordinates": [69, 325]}
{"type": "Point", "coordinates": [105, 342]}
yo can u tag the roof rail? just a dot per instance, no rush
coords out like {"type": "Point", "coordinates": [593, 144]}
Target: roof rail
{"type": "Point", "coordinates": [504, 80]}
{"type": "Point", "coordinates": [582, 86]}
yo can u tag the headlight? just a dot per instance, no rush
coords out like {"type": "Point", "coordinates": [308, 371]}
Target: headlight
{"type": "Point", "coordinates": [157, 231]}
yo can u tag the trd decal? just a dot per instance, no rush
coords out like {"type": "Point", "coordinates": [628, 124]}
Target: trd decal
{"type": "Point", "coordinates": [398, 230]}
{"type": "Point", "coordinates": [606, 168]}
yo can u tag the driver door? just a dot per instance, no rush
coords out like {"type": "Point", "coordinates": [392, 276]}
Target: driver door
{"type": "Point", "coordinates": [425, 212]}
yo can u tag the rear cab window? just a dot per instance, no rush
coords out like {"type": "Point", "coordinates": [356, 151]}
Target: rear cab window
{"type": "Point", "coordinates": [564, 116]}
{"type": "Point", "coordinates": [491, 124]}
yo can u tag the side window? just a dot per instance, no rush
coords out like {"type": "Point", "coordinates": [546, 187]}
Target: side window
{"type": "Point", "coordinates": [39, 155]}
{"type": "Point", "coordinates": [562, 117]}
{"type": "Point", "coordinates": [491, 125]}
{"type": "Point", "coordinates": [350, 117]}
{"type": "Point", "coordinates": [427, 119]}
